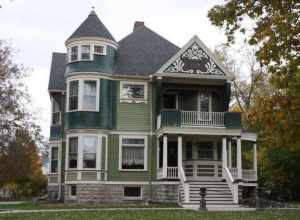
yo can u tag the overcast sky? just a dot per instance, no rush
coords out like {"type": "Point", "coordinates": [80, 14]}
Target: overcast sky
{"type": "Point", "coordinates": [36, 28]}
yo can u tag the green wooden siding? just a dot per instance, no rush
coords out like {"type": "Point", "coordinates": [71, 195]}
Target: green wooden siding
{"type": "Point", "coordinates": [113, 163]}
{"type": "Point", "coordinates": [134, 116]}
{"type": "Point", "coordinates": [101, 63]}
{"type": "Point", "coordinates": [97, 120]}
{"type": "Point", "coordinates": [103, 153]}
{"type": "Point", "coordinates": [232, 120]}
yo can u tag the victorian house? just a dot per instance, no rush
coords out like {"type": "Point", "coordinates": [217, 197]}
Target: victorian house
{"type": "Point", "coordinates": [142, 119]}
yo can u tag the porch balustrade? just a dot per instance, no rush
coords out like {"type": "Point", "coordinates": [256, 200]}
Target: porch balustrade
{"type": "Point", "coordinates": [202, 119]}
{"type": "Point", "coordinates": [247, 174]}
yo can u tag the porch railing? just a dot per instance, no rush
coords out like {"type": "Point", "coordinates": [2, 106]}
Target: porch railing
{"type": "Point", "coordinates": [248, 175]}
{"type": "Point", "coordinates": [198, 119]}
{"type": "Point", "coordinates": [172, 173]}
{"type": "Point", "coordinates": [195, 169]}
{"type": "Point", "coordinates": [232, 185]}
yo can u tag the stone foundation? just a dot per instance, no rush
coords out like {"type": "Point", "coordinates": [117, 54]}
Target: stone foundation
{"type": "Point", "coordinates": [113, 193]}
{"type": "Point", "coordinates": [53, 192]}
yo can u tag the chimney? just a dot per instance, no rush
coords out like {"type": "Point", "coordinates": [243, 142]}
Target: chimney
{"type": "Point", "coordinates": [138, 24]}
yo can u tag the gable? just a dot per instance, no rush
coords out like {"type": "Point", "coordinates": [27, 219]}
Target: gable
{"type": "Point", "coordinates": [194, 58]}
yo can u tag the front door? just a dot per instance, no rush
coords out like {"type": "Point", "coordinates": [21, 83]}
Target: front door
{"type": "Point", "coordinates": [172, 154]}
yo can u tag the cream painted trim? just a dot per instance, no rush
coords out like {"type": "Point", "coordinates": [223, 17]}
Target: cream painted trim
{"type": "Point", "coordinates": [80, 151]}
{"type": "Point", "coordinates": [199, 131]}
{"type": "Point", "coordinates": [249, 136]}
{"type": "Point", "coordinates": [145, 152]}
{"type": "Point", "coordinates": [82, 40]}
{"type": "Point", "coordinates": [130, 132]}
{"type": "Point", "coordinates": [133, 100]}
{"type": "Point", "coordinates": [107, 76]}
{"type": "Point", "coordinates": [185, 47]}
{"type": "Point", "coordinates": [80, 96]}
{"type": "Point", "coordinates": [191, 76]}
{"type": "Point", "coordinates": [53, 184]}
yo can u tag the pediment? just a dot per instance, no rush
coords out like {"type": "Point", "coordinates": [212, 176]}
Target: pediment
{"type": "Point", "coordinates": [194, 58]}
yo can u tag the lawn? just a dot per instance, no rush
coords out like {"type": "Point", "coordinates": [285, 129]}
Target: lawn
{"type": "Point", "coordinates": [57, 205]}
{"type": "Point", "coordinates": [156, 215]}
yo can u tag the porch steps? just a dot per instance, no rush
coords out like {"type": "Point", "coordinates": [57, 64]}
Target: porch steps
{"type": "Point", "coordinates": [218, 195]}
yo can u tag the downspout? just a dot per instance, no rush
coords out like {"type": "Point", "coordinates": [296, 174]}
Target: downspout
{"type": "Point", "coordinates": [151, 138]}
{"type": "Point", "coordinates": [61, 146]}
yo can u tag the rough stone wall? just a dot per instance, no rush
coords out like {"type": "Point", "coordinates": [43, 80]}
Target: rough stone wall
{"type": "Point", "coordinates": [113, 193]}
{"type": "Point", "coordinates": [53, 192]}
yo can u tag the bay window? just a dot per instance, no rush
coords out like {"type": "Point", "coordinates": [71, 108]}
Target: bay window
{"type": "Point", "coordinates": [89, 151]}
{"type": "Point", "coordinates": [54, 160]}
{"type": "Point", "coordinates": [133, 153]}
{"type": "Point", "coordinates": [55, 113]}
{"type": "Point", "coordinates": [89, 94]}
{"type": "Point", "coordinates": [85, 52]}
{"type": "Point", "coordinates": [73, 152]}
{"type": "Point", "coordinates": [73, 95]}
{"type": "Point", "coordinates": [83, 95]}
{"type": "Point", "coordinates": [133, 91]}
{"type": "Point", "coordinates": [74, 54]}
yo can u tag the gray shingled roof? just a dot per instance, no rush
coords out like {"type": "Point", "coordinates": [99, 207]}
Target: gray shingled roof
{"type": "Point", "coordinates": [140, 53]}
{"type": "Point", "coordinates": [143, 52]}
{"type": "Point", "coordinates": [57, 71]}
{"type": "Point", "coordinates": [92, 27]}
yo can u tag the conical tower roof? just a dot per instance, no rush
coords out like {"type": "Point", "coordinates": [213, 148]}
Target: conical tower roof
{"type": "Point", "coordinates": [92, 27]}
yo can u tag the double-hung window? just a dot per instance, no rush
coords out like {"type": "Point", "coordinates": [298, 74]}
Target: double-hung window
{"type": "Point", "coordinates": [85, 52]}
{"type": "Point", "coordinates": [133, 153]}
{"type": "Point", "coordinates": [89, 94]}
{"type": "Point", "coordinates": [55, 113]}
{"type": "Point", "coordinates": [89, 151]}
{"type": "Point", "coordinates": [54, 160]}
{"type": "Point", "coordinates": [74, 54]}
{"type": "Point", "coordinates": [204, 106]}
{"type": "Point", "coordinates": [134, 91]}
{"type": "Point", "coordinates": [73, 95]}
{"type": "Point", "coordinates": [73, 152]}
{"type": "Point", "coordinates": [83, 95]}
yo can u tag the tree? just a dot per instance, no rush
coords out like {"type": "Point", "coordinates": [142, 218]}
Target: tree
{"type": "Point", "coordinates": [14, 99]}
{"type": "Point", "coordinates": [274, 28]}
{"type": "Point", "coordinates": [276, 31]}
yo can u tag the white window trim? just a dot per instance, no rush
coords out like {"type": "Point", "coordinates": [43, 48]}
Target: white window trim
{"type": "Point", "coordinates": [80, 151]}
{"type": "Point", "coordinates": [52, 112]}
{"type": "Point", "coordinates": [121, 137]}
{"type": "Point", "coordinates": [132, 197]}
{"type": "Point", "coordinates": [101, 45]}
{"type": "Point", "coordinates": [79, 45]}
{"type": "Point", "coordinates": [80, 106]}
{"type": "Point", "coordinates": [177, 100]}
{"type": "Point", "coordinates": [134, 100]}
{"type": "Point", "coordinates": [58, 158]}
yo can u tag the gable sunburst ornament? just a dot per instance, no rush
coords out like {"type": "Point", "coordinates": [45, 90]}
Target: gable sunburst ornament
{"type": "Point", "coordinates": [194, 61]}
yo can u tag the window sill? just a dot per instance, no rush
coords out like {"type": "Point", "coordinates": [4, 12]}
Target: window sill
{"type": "Point", "coordinates": [133, 101]}
{"type": "Point", "coordinates": [132, 198]}
{"type": "Point", "coordinates": [133, 170]}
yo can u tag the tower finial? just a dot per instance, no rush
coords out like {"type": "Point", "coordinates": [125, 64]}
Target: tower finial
{"type": "Point", "coordinates": [93, 11]}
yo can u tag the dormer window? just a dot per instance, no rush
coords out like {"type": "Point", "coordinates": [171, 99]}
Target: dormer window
{"type": "Point", "coordinates": [85, 52]}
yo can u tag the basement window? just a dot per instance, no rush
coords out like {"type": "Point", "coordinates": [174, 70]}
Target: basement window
{"type": "Point", "coordinates": [132, 192]}
{"type": "Point", "coordinates": [73, 190]}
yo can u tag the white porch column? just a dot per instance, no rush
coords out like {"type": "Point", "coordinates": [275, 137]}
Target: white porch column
{"type": "Point", "coordinates": [239, 158]}
{"type": "Point", "coordinates": [179, 151]}
{"type": "Point", "coordinates": [229, 154]}
{"type": "Point", "coordinates": [165, 155]}
{"type": "Point", "coordinates": [255, 157]}
{"type": "Point", "coordinates": [224, 155]}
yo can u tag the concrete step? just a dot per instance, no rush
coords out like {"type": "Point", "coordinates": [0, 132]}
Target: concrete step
{"type": "Point", "coordinates": [229, 195]}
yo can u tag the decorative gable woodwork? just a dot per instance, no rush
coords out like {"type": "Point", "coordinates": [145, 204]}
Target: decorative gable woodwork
{"type": "Point", "coordinates": [194, 58]}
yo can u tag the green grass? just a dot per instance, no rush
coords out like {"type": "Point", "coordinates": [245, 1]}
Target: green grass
{"type": "Point", "coordinates": [156, 215]}
{"type": "Point", "coordinates": [47, 205]}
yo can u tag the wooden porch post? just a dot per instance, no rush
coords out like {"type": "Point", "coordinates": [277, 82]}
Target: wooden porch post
{"type": "Point", "coordinates": [224, 155]}
{"type": "Point", "coordinates": [165, 155]}
{"type": "Point", "coordinates": [229, 154]}
{"type": "Point", "coordinates": [239, 158]}
{"type": "Point", "coordinates": [179, 151]}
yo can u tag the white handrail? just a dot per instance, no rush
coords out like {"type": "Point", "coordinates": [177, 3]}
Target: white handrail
{"type": "Point", "coordinates": [181, 174]}
{"type": "Point", "coordinates": [196, 118]}
{"type": "Point", "coordinates": [234, 188]}
{"type": "Point", "coordinates": [185, 185]}
{"type": "Point", "coordinates": [158, 124]}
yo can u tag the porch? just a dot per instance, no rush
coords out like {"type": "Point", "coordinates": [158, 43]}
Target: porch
{"type": "Point", "coordinates": [195, 157]}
